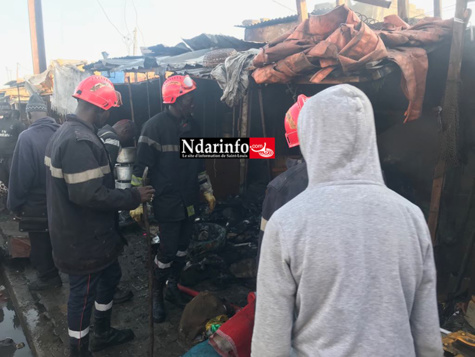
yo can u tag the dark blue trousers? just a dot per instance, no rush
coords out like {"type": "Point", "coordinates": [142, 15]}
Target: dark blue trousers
{"type": "Point", "coordinates": [87, 290]}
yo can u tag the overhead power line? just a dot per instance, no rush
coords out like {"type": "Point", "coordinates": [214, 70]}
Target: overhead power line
{"type": "Point", "coordinates": [108, 19]}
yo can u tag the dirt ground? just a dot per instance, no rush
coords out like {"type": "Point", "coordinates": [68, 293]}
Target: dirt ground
{"type": "Point", "coordinates": [44, 315]}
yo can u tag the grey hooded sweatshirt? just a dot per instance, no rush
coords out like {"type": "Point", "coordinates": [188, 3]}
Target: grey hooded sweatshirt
{"type": "Point", "coordinates": [346, 267]}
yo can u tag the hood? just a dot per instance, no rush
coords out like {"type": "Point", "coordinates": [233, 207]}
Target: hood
{"type": "Point", "coordinates": [46, 121]}
{"type": "Point", "coordinates": [338, 137]}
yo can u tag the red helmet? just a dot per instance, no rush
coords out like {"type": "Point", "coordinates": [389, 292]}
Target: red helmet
{"type": "Point", "coordinates": [291, 119]}
{"type": "Point", "coordinates": [99, 91]}
{"type": "Point", "coordinates": [175, 87]}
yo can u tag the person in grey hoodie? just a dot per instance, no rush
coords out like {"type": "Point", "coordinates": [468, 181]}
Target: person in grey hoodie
{"type": "Point", "coordinates": [346, 267]}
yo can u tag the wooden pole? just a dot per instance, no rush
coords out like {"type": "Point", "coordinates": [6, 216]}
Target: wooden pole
{"type": "Point", "coordinates": [151, 281]}
{"type": "Point", "coordinates": [450, 113]}
{"type": "Point", "coordinates": [132, 113]}
{"type": "Point", "coordinates": [302, 10]}
{"type": "Point", "coordinates": [148, 97]}
{"type": "Point", "coordinates": [403, 9]}
{"type": "Point", "coordinates": [340, 2]}
{"type": "Point", "coordinates": [438, 8]}
{"type": "Point", "coordinates": [264, 131]}
{"type": "Point", "coordinates": [243, 134]}
{"type": "Point", "coordinates": [37, 36]}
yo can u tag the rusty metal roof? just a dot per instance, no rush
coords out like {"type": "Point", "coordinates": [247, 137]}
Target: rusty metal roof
{"type": "Point", "coordinates": [283, 20]}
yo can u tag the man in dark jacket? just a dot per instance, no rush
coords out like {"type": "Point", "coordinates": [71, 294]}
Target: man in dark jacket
{"type": "Point", "coordinates": [290, 183]}
{"type": "Point", "coordinates": [27, 191]}
{"type": "Point", "coordinates": [117, 136]}
{"type": "Point", "coordinates": [82, 213]}
{"type": "Point", "coordinates": [10, 129]}
{"type": "Point", "coordinates": [177, 182]}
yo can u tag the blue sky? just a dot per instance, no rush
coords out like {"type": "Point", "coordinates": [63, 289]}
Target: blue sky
{"type": "Point", "coordinates": [80, 30]}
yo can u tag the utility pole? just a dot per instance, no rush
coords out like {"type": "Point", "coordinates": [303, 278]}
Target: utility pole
{"type": "Point", "coordinates": [302, 10]}
{"type": "Point", "coordinates": [438, 8]}
{"type": "Point", "coordinates": [403, 9]}
{"type": "Point", "coordinates": [135, 42]}
{"type": "Point", "coordinates": [37, 36]}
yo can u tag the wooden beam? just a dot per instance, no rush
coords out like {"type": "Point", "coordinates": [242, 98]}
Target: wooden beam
{"type": "Point", "coordinates": [381, 3]}
{"type": "Point", "coordinates": [450, 114]}
{"type": "Point", "coordinates": [403, 9]}
{"type": "Point", "coordinates": [37, 36]}
{"type": "Point", "coordinates": [302, 10]}
{"type": "Point", "coordinates": [244, 133]}
{"type": "Point", "coordinates": [340, 2]}
{"type": "Point", "coordinates": [438, 8]}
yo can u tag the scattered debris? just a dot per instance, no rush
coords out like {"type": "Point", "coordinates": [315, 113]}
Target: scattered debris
{"type": "Point", "coordinates": [197, 313]}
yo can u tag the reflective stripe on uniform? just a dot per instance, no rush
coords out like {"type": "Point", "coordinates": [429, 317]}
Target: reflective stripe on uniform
{"type": "Point", "coordinates": [103, 307]}
{"type": "Point", "coordinates": [150, 142]}
{"type": "Point", "coordinates": [114, 142]}
{"type": "Point", "coordinates": [78, 334]}
{"type": "Point", "coordinates": [170, 148]}
{"type": "Point", "coordinates": [107, 132]}
{"type": "Point", "coordinates": [263, 224]}
{"type": "Point", "coordinates": [55, 172]}
{"type": "Point", "coordinates": [87, 175]}
{"type": "Point", "coordinates": [161, 265]}
{"type": "Point", "coordinates": [79, 177]}
{"type": "Point", "coordinates": [181, 253]}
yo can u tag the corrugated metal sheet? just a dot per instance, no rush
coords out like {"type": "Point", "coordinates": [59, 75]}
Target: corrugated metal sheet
{"type": "Point", "coordinates": [122, 64]}
{"type": "Point", "coordinates": [204, 41]}
{"type": "Point", "coordinates": [282, 20]}
{"type": "Point", "coordinates": [265, 23]}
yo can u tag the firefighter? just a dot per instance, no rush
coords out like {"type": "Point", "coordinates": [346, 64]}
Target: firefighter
{"type": "Point", "coordinates": [82, 213]}
{"type": "Point", "coordinates": [116, 136]}
{"type": "Point", "coordinates": [10, 129]}
{"type": "Point", "coordinates": [291, 182]}
{"type": "Point", "coordinates": [177, 183]}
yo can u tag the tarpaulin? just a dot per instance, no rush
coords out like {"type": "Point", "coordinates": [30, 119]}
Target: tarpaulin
{"type": "Point", "coordinates": [405, 50]}
{"type": "Point", "coordinates": [339, 39]}
{"type": "Point", "coordinates": [233, 76]}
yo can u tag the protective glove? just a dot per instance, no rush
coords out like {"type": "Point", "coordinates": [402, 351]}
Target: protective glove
{"type": "Point", "coordinates": [137, 213]}
{"type": "Point", "coordinates": [209, 197]}
{"type": "Point", "coordinates": [136, 181]}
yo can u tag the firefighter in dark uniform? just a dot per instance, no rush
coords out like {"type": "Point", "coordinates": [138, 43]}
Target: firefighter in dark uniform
{"type": "Point", "coordinates": [177, 183]}
{"type": "Point", "coordinates": [82, 213]}
{"type": "Point", "coordinates": [117, 136]}
{"type": "Point", "coordinates": [290, 183]}
{"type": "Point", "coordinates": [10, 129]}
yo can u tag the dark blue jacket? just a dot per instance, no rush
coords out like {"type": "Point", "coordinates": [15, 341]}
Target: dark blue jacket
{"type": "Point", "coordinates": [27, 189]}
{"type": "Point", "coordinates": [82, 200]}
{"type": "Point", "coordinates": [281, 190]}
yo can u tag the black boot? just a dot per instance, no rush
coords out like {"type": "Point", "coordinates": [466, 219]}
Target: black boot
{"type": "Point", "coordinates": [106, 336]}
{"type": "Point", "coordinates": [79, 348]}
{"type": "Point", "coordinates": [45, 284]}
{"type": "Point", "coordinates": [159, 312]}
{"type": "Point", "coordinates": [174, 294]}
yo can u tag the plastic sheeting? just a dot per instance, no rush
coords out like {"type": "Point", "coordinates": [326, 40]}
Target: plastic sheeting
{"type": "Point", "coordinates": [66, 79]}
{"type": "Point", "coordinates": [233, 76]}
